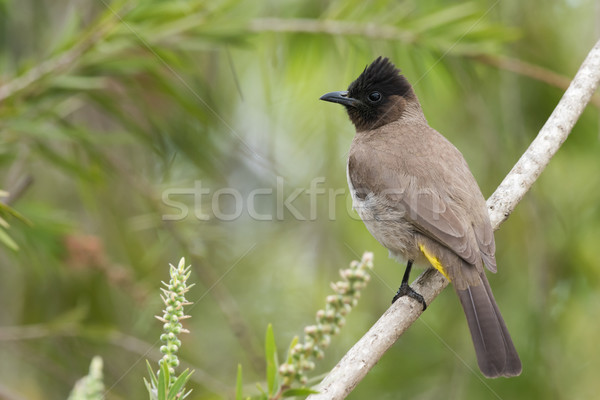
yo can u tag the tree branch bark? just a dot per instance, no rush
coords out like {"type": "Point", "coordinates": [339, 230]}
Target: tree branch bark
{"type": "Point", "coordinates": [354, 366]}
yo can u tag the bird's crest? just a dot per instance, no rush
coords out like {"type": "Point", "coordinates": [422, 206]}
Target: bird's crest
{"type": "Point", "coordinates": [381, 75]}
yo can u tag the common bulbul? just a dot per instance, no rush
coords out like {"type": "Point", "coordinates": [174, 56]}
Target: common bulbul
{"type": "Point", "coordinates": [416, 195]}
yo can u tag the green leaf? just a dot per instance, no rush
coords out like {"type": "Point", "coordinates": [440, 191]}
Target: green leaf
{"type": "Point", "coordinates": [446, 15]}
{"type": "Point", "coordinates": [6, 210]}
{"type": "Point", "coordinates": [294, 342]}
{"type": "Point", "coordinates": [79, 83]}
{"type": "Point", "coordinates": [178, 385]}
{"type": "Point", "coordinates": [238, 384]}
{"type": "Point", "coordinates": [152, 374]}
{"type": "Point", "coordinates": [260, 389]}
{"type": "Point", "coordinates": [8, 241]}
{"type": "Point", "coordinates": [163, 381]}
{"type": "Point", "coordinates": [183, 396]}
{"type": "Point", "coordinates": [149, 388]}
{"type": "Point", "coordinates": [271, 358]}
{"type": "Point", "coordinates": [298, 392]}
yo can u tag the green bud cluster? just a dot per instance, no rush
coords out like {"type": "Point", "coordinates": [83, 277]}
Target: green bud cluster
{"type": "Point", "coordinates": [329, 321]}
{"type": "Point", "coordinates": [173, 296]}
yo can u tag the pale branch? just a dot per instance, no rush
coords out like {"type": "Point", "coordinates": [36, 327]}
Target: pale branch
{"type": "Point", "coordinates": [390, 32]}
{"type": "Point", "coordinates": [354, 366]}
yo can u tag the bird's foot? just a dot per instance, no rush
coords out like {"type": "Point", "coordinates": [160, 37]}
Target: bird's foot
{"type": "Point", "coordinates": [406, 290]}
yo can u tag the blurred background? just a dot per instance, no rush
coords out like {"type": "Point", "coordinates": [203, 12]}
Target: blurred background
{"type": "Point", "coordinates": [134, 133]}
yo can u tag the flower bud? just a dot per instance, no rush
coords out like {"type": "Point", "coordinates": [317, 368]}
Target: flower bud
{"type": "Point", "coordinates": [311, 330]}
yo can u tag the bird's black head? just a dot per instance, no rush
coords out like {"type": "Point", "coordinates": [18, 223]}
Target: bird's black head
{"type": "Point", "coordinates": [376, 97]}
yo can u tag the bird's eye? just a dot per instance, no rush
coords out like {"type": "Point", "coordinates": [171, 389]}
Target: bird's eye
{"type": "Point", "coordinates": [374, 97]}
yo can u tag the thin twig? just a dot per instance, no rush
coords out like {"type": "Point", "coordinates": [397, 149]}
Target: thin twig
{"type": "Point", "coordinates": [331, 27]}
{"type": "Point", "coordinates": [56, 65]}
{"type": "Point", "coordinates": [403, 313]}
{"type": "Point", "coordinates": [19, 189]}
{"type": "Point", "coordinates": [552, 135]}
{"type": "Point", "coordinates": [388, 32]}
{"type": "Point", "coordinates": [530, 70]}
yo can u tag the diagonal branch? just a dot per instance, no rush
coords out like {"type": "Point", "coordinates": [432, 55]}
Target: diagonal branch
{"type": "Point", "coordinates": [354, 366]}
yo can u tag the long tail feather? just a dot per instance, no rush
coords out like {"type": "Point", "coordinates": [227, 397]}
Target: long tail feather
{"type": "Point", "coordinates": [496, 354]}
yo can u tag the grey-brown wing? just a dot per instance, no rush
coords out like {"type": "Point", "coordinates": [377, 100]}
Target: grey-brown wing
{"type": "Point", "coordinates": [445, 202]}
{"type": "Point", "coordinates": [434, 217]}
{"type": "Point", "coordinates": [485, 240]}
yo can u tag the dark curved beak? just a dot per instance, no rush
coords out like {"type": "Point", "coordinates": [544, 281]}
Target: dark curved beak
{"type": "Point", "coordinates": [340, 98]}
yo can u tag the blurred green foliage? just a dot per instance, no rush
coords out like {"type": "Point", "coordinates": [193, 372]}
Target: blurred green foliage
{"type": "Point", "coordinates": [115, 112]}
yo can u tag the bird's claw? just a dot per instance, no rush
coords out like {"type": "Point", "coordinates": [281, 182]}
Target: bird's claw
{"type": "Point", "coordinates": [406, 290]}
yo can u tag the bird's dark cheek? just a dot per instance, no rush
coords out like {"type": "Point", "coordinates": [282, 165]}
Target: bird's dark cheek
{"type": "Point", "coordinates": [362, 120]}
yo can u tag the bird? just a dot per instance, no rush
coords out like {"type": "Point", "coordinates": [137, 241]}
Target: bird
{"type": "Point", "coordinates": [417, 196]}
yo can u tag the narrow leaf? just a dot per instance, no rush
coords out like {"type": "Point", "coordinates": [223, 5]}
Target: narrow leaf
{"type": "Point", "coordinates": [8, 241]}
{"type": "Point", "coordinates": [178, 385]}
{"type": "Point", "coordinates": [238, 384]}
{"type": "Point", "coordinates": [152, 374]}
{"type": "Point", "coordinates": [271, 358]}
{"type": "Point", "coordinates": [298, 392]}
{"type": "Point", "coordinates": [149, 389]}
{"type": "Point", "coordinates": [261, 390]}
{"type": "Point", "coordinates": [163, 381]}
{"type": "Point", "coordinates": [294, 342]}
